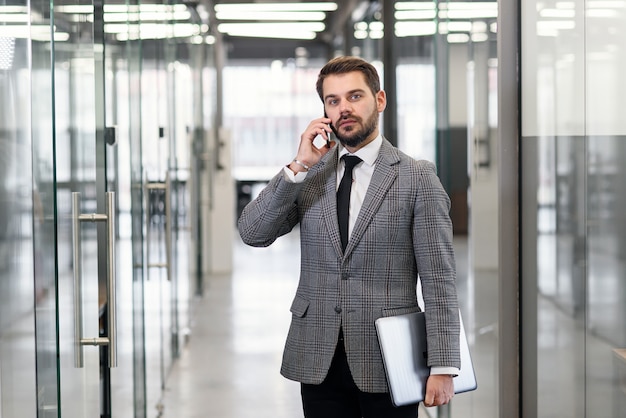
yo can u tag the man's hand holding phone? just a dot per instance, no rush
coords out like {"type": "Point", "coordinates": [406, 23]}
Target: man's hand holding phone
{"type": "Point", "coordinates": [308, 152]}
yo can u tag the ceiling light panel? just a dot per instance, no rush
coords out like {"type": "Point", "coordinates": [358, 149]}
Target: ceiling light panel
{"type": "Point", "coordinates": [266, 15]}
{"type": "Point", "coordinates": [276, 7]}
{"type": "Point", "coordinates": [301, 30]}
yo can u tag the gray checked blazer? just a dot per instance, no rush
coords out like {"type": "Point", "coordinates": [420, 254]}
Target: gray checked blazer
{"type": "Point", "coordinates": [402, 230]}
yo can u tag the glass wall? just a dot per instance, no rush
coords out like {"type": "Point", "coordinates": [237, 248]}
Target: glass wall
{"type": "Point", "coordinates": [574, 231]}
{"type": "Point", "coordinates": [267, 104]}
{"type": "Point", "coordinates": [77, 88]}
{"type": "Point", "coordinates": [17, 220]}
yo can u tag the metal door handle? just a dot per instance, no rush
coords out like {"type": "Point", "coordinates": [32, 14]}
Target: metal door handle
{"type": "Point", "coordinates": [111, 340]}
{"type": "Point", "coordinates": [168, 225]}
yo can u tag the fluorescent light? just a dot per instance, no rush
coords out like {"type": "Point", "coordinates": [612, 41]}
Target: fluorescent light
{"type": "Point", "coordinates": [449, 10]}
{"type": "Point", "coordinates": [299, 30]}
{"type": "Point", "coordinates": [404, 29]}
{"type": "Point", "coordinates": [480, 37]}
{"type": "Point", "coordinates": [158, 8]}
{"type": "Point", "coordinates": [281, 15]}
{"type": "Point", "coordinates": [245, 33]}
{"type": "Point", "coordinates": [413, 5]}
{"type": "Point", "coordinates": [602, 13]}
{"type": "Point", "coordinates": [606, 4]}
{"type": "Point", "coordinates": [296, 26]}
{"type": "Point", "coordinates": [558, 13]}
{"type": "Point", "coordinates": [561, 5]}
{"type": "Point", "coordinates": [121, 8]}
{"type": "Point", "coordinates": [360, 34]}
{"type": "Point", "coordinates": [373, 30]}
{"type": "Point", "coordinates": [473, 5]}
{"type": "Point", "coordinates": [377, 26]}
{"type": "Point", "coordinates": [445, 27]}
{"type": "Point", "coordinates": [13, 18]}
{"type": "Point", "coordinates": [13, 9]}
{"type": "Point", "coordinates": [415, 14]}
{"type": "Point", "coordinates": [376, 34]}
{"type": "Point", "coordinates": [74, 9]}
{"type": "Point", "coordinates": [200, 40]}
{"type": "Point", "coordinates": [479, 27]}
{"type": "Point", "coordinates": [147, 16]}
{"type": "Point", "coordinates": [551, 26]}
{"type": "Point", "coordinates": [276, 7]}
{"type": "Point", "coordinates": [468, 14]}
{"type": "Point", "coordinates": [458, 38]}
{"type": "Point", "coordinates": [34, 32]}
{"type": "Point", "coordinates": [468, 10]}
{"type": "Point", "coordinates": [152, 30]}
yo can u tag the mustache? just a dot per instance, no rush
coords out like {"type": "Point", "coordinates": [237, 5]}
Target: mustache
{"type": "Point", "coordinates": [333, 126]}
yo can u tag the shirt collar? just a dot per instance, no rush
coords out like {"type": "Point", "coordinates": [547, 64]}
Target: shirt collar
{"type": "Point", "coordinates": [368, 153]}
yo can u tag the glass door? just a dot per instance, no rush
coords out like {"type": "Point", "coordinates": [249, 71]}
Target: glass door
{"type": "Point", "coordinates": [167, 82]}
{"type": "Point", "coordinates": [122, 99]}
{"type": "Point", "coordinates": [77, 105]}
{"type": "Point", "coordinates": [85, 210]}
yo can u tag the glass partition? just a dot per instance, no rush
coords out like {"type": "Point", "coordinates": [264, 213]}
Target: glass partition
{"type": "Point", "coordinates": [572, 134]}
{"type": "Point", "coordinates": [18, 220]}
{"type": "Point", "coordinates": [75, 117]}
{"type": "Point", "coordinates": [44, 198]}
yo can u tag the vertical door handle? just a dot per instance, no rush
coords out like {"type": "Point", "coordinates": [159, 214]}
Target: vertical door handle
{"type": "Point", "coordinates": [111, 340]}
{"type": "Point", "coordinates": [165, 186]}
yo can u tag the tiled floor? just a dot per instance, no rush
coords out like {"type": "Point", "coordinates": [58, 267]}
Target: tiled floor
{"type": "Point", "coordinates": [230, 368]}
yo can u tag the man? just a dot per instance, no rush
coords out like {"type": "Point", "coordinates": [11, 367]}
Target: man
{"type": "Point", "coordinates": [398, 225]}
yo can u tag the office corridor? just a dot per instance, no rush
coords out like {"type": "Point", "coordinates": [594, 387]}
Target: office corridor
{"type": "Point", "coordinates": [230, 366]}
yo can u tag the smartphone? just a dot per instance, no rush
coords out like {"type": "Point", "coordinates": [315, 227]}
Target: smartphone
{"type": "Point", "coordinates": [329, 134]}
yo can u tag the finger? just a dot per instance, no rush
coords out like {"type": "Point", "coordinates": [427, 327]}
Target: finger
{"type": "Point", "coordinates": [324, 132]}
{"type": "Point", "coordinates": [325, 148]}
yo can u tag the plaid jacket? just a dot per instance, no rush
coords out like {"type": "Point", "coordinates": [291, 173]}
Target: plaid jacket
{"type": "Point", "coordinates": [403, 229]}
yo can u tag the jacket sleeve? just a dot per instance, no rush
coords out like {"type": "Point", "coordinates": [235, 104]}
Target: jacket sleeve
{"type": "Point", "coordinates": [434, 254]}
{"type": "Point", "coordinates": [272, 214]}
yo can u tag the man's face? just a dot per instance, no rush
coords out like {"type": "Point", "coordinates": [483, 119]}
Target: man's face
{"type": "Point", "coordinates": [353, 109]}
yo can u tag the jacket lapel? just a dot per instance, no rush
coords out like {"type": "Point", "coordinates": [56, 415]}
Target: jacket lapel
{"type": "Point", "coordinates": [384, 175]}
{"type": "Point", "coordinates": [328, 189]}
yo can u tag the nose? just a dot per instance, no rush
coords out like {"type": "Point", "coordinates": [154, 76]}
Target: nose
{"type": "Point", "coordinates": [345, 107]}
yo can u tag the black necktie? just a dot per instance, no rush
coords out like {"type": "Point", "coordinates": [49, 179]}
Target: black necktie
{"type": "Point", "coordinates": [343, 197]}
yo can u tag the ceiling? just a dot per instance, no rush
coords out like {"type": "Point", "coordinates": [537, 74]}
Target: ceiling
{"type": "Point", "coordinates": [252, 47]}
{"type": "Point", "coordinates": [338, 25]}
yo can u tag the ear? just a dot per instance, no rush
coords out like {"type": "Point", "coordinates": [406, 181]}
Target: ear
{"type": "Point", "coordinates": [381, 100]}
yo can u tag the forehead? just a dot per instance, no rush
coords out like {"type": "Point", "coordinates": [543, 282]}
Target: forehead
{"type": "Point", "coordinates": [340, 84]}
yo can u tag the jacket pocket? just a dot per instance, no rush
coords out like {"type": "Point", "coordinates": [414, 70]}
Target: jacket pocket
{"type": "Point", "coordinates": [401, 310]}
{"type": "Point", "coordinates": [299, 306]}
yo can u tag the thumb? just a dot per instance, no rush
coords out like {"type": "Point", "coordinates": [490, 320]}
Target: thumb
{"type": "Point", "coordinates": [429, 399]}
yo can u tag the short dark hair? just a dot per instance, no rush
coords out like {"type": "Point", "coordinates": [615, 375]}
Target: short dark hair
{"type": "Point", "coordinates": [348, 64]}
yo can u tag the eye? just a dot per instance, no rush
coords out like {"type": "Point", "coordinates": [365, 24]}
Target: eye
{"type": "Point", "coordinates": [331, 102]}
{"type": "Point", "coordinates": [355, 96]}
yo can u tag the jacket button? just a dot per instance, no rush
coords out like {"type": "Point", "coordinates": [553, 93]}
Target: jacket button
{"type": "Point", "coordinates": [344, 276]}
{"type": "Point", "coordinates": [338, 309]}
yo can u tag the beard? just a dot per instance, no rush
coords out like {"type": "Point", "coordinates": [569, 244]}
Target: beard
{"type": "Point", "coordinates": [353, 136]}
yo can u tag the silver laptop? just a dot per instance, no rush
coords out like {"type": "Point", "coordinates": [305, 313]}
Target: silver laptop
{"type": "Point", "coordinates": [402, 341]}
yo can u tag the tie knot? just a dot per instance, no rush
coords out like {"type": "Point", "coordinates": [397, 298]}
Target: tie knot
{"type": "Point", "coordinates": [350, 161]}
